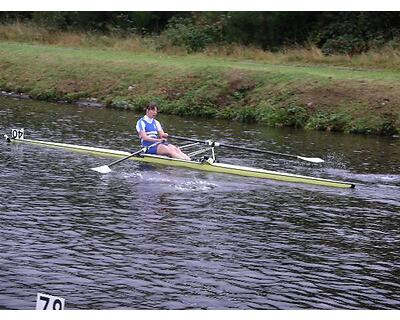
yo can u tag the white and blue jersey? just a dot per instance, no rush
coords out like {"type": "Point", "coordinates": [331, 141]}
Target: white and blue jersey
{"type": "Point", "coordinates": [150, 126]}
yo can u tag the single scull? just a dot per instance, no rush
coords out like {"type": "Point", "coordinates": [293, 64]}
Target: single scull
{"type": "Point", "coordinates": [204, 164]}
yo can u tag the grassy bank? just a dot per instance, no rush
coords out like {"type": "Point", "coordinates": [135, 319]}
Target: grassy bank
{"type": "Point", "coordinates": [312, 97]}
{"type": "Point", "coordinates": [386, 57]}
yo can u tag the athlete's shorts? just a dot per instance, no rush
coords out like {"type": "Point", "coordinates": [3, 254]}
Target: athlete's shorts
{"type": "Point", "coordinates": [153, 149]}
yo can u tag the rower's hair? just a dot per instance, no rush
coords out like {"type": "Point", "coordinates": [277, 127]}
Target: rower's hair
{"type": "Point", "coordinates": [151, 106]}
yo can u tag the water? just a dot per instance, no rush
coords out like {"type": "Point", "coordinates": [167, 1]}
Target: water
{"type": "Point", "coordinates": [145, 237]}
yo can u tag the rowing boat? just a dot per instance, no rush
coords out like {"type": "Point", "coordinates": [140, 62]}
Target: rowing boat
{"type": "Point", "coordinates": [196, 165]}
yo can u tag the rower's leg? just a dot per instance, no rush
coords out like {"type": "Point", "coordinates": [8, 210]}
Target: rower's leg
{"type": "Point", "coordinates": [172, 151]}
{"type": "Point", "coordinates": [179, 151]}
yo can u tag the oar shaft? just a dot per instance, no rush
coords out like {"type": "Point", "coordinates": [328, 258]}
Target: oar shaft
{"type": "Point", "coordinates": [144, 149]}
{"type": "Point", "coordinates": [233, 146]}
{"type": "Point", "coordinates": [186, 139]}
{"type": "Point", "coordinates": [106, 168]}
{"type": "Point", "coordinates": [256, 150]}
{"type": "Point", "coordinates": [247, 149]}
{"type": "Point", "coordinates": [127, 157]}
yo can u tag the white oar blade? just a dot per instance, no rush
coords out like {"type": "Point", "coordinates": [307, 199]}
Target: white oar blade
{"type": "Point", "coordinates": [315, 160]}
{"type": "Point", "coordinates": [102, 169]}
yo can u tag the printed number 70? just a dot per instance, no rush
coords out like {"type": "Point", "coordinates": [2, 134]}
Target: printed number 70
{"type": "Point", "coordinates": [56, 303]}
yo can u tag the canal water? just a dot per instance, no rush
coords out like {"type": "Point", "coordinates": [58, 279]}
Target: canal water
{"type": "Point", "coordinates": [148, 237]}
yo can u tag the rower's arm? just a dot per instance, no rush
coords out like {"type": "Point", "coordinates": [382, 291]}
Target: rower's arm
{"type": "Point", "coordinates": [143, 135]}
{"type": "Point", "coordinates": [162, 134]}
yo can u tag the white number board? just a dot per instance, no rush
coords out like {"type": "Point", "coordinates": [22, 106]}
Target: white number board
{"type": "Point", "coordinates": [48, 302]}
{"type": "Point", "coordinates": [17, 133]}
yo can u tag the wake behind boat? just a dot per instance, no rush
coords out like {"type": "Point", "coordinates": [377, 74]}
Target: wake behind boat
{"type": "Point", "coordinates": [204, 163]}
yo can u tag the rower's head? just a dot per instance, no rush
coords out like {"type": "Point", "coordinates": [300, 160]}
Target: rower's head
{"type": "Point", "coordinates": [152, 109]}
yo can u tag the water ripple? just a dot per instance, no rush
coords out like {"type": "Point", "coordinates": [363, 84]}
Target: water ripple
{"type": "Point", "coordinates": [147, 237]}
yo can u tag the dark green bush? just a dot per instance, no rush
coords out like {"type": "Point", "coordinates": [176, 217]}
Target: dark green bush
{"type": "Point", "coordinates": [337, 32]}
{"type": "Point", "coordinates": [344, 44]}
{"type": "Point", "coordinates": [292, 116]}
{"type": "Point", "coordinates": [184, 32]}
{"type": "Point", "coordinates": [331, 122]}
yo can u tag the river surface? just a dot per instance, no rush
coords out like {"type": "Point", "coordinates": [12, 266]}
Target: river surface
{"type": "Point", "coordinates": [147, 237]}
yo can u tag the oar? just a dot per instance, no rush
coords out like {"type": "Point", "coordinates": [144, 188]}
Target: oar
{"type": "Point", "coordinates": [106, 168]}
{"type": "Point", "coordinates": [216, 144]}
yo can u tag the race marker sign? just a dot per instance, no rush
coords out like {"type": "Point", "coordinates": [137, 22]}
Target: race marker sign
{"type": "Point", "coordinates": [48, 302]}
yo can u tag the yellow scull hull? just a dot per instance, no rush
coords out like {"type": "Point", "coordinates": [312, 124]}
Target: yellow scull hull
{"type": "Point", "coordinates": [204, 166]}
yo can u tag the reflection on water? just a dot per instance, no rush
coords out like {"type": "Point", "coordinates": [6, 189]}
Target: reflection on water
{"type": "Point", "coordinates": [146, 237]}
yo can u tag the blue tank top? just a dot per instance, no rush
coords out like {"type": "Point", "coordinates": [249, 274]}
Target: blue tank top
{"type": "Point", "coordinates": [151, 129]}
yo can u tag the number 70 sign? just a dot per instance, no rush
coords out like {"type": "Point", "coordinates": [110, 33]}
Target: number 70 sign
{"type": "Point", "coordinates": [47, 302]}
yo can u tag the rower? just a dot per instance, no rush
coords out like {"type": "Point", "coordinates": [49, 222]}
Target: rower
{"type": "Point", "coordinates": [150, 132]}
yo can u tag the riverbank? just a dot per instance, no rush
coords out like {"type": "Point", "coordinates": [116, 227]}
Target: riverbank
{"type": "Point", "coordinates": [312, 97]}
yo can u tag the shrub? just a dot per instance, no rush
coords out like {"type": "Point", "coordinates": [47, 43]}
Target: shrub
{"type": "Point", "coordinates": [183, 32]}
{"type": "Point", "coordinates": [44, 94]}
{"type": "Point", "coordinates": [330, 122]}
{"type": "Point", "coordinates": [296, 116]}
{"type": "Point", "coordinates": [344, 44]}
{"type": "Point", "coordinates": [121, 103]}
{"type": "Point", "coordinates": [292, 116]}
{"type": "Point", "coordinates": [385, 125]}
{"type": "Point", "coordinates": [247, 115]}
{"type": "Point", "coordinates": [195, 110]}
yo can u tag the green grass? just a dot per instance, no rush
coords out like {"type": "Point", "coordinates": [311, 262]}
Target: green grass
{"type": "Point", "coordinates": [386, 57]}
{"type": "Point", "coordinates": [311, 97]}
{"type": "Point", "coordinates": [192, 62]}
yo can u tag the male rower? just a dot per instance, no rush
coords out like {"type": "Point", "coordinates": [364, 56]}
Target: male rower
{"type": "Point", "coordinates": [150, 132]}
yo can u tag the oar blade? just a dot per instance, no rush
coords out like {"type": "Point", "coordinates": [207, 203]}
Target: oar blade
{"type": "Point", "coordinates": [103, 169]}
{"type": "Point", "coordinates": [315, 160]}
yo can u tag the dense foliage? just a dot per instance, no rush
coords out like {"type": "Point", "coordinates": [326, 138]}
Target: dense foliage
{"type": "Point", "coordinates": [334, 32]}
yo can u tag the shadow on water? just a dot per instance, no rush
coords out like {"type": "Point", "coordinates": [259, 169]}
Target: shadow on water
{"type": "Point", "coordinates": [150, 237]}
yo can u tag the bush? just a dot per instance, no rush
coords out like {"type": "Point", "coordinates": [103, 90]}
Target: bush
{"type": "Point", "coordinates": [183, 108]}
{"type": "Point", "coordinates": [237, 113]}
{"type": "Point", "coordinates": [344, 44]}
{"type": "Point", "coordinates": [48, 94]}
{"type": "Point", "coordinates": [292, 116]}
{"type": "Point", "coordinates": [329, 122]}
{"type": "Point", "coordinates": [384, 125]}
{"type": "Point", "coordinates": [121, 103]}
{"type": "Point", "coordinates": [183, 32]}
